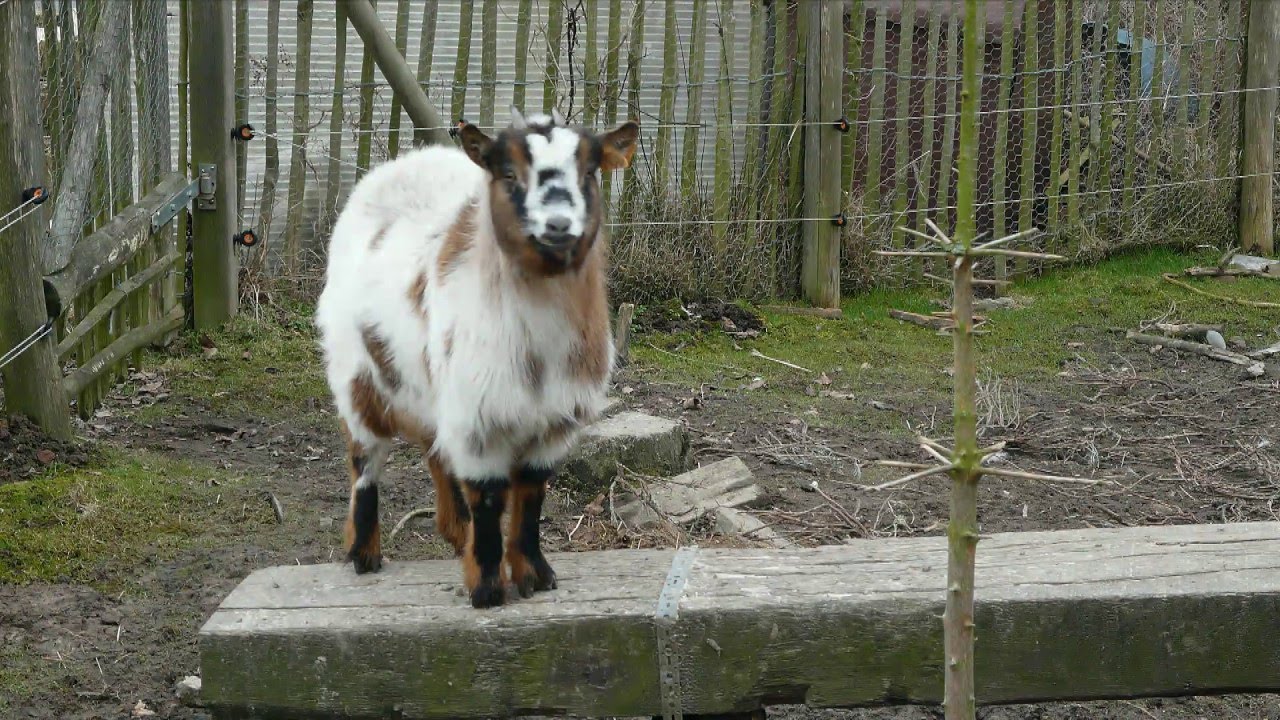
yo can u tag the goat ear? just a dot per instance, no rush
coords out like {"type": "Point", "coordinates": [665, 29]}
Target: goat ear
{"type": "Point", "coordinates": [618, 146]}
{"type": "Point", "coordinates": [475, 143]}
{"type": "Point", "coordinates": [517, 119]}
{"type": "Point", "coordinates": [558, 119]}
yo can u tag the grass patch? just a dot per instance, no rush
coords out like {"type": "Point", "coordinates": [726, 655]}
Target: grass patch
{"type": "Point", "coordinates": [878, 357]}
{"type": "Point", "coordinates": [84, 525]}
{"type": "Point", "coordinates": [269, 368]}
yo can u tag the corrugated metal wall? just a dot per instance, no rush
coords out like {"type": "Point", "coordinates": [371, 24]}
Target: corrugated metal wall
{"type": "Point", "coordinates": [441, 81]}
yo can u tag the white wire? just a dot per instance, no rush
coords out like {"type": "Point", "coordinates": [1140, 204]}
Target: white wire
{"type": "Point", "coordinates": [26, 202]}
{"type": "Point", "coordinates": [26, 344]}
{"type": "Point", "coordinates": [18, 219]}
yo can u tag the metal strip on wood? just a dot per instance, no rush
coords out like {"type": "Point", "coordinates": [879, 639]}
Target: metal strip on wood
{"type": "Point", "coordinates": [668, 611]}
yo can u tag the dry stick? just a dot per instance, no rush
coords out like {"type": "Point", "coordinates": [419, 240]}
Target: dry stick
{"type": "Point", "coordinates": [986, 470]}
{"type": "Point", "coordinates": [762, 356]}
{"type": "Point", "coordinates": [1238, 301]}
{"type": "Point", "coordinates": [1188, 330]}
{"type": "Point", "coordinates": [926, 472]}
{"type": "Point", "coordinates": [409, 516]}
{"type": "Point", "coordinates": [276, 507]}
{"type": "Point", "coordinates": [976, 281]}
{"type": "Point", "coordinates": [622, 333]}
{"type": "Point", "coordinates": [827, 313]}
{"type": "Point", "coordinates": [1229, 272]}
{"type": "Point", "coordinates": [1208, 351]}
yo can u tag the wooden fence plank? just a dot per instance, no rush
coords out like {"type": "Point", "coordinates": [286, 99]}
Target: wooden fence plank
{"type": "Point", "coordinates": [109, 302]}
{"type": "Point", "coordinates": [129, 342]}
{"type": "Point", "coordinates": [663, 146]}
{"type": "Point", "coordinates": [1106, 126]}
{"type": "Point", "coordinates": [271, 175]}
{"type": "Point", "coordinates": [1132, 108]}
{"type": "Point", "coordinates": [488, 61]}
{"type": "Point", "coordinates": [1257, 218]}
{"type": "Point", "coordinates": [1231, 83]}
{"type": "Point", "coordinates": [612, 89]}
{"type": "Point", "coordinates": [795, 154]}
{"type": "Point", "coordinates": [1172, 610]}
{"type": "Point", "coordinates": [551, 71]}
{"type": "Point", "coordinates": [1184, 131]}
{"type": "Point", "coordinates": [723, 183]}
{"type": "Point", "coordinates": [524, 19]}
{"type": "Point", "coordinates": [242, 99]}
{"type": "Point", "coordinates": [151, 44]}
{"type": "Point", "coordinates": [902, 159]}
{"type": "Point", "coordinates": [1207, 47]}
{"type": "Point", "coordinates": [1060, 11]}
{"type": "Point", "coordinates": [364, 140]}
{"type": "Point", "coordinates": [853, 41]}
{"type": "Point", "coordinates": [427, 44]}
{"type": "Point", "coordinates": [337, 116]}
{"type": "Point", "coordinates": [924, 196]}
{"type": "Point", "coordinates": [949, 119]}
{"type": "Point", "coordinates": [1030, 122]}
{"type": "Point", "coordinates": [875, 113]}
{"type": "Point", "coordinates": [1157, 103]}
{"type": "Point", "coordinates": [462, 61]}
{"type": "Point", "coordinates": [402, 46]}
{"type": "Point", "coordinates": [591, 64]}
{"type": "Point", "coordinates": [121, 172]}
{"type": "Point", "coordinates": [635, 55]}
{"type": "Point", "coordinates": [298, 156]}
{"type": "Point", "coordinates": [820, 271]}
{"type": "Point", "coordinates": [1074, 145]}
{"type": "Point", "coordinates": [1000, 171]}
{"type": "Point", "coordinates": [749, 179]}
{"type": "Point", "coordinates": [695, 79]}
{"type": "Point", "coordinates": [774, 166]}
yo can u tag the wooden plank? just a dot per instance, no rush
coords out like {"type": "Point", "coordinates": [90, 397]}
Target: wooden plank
{"type": "Point", "coordinates": [635, 56]}
{"type": "Point", "coordinates": [488, 61]}
{"type": "Point", "coordinates": [902, 158]}
{"type": "Point", "coordinates": [428, 127]}
{"type": "Point", "coordinates": [1074, 146]}
{"type": "Point", "coordinates": [1230, 124]}
{"type": "Point", "coordinates": [427, 44]}
{"type": "Point", "coordinates": [301, 125]}
{"type": "Point", "coordinates": [30, 381]}
{"type": "Point", "coordinates": [1106, 122]}
{"type": "Point", "coordinates": [524, 18]}
{"type": "Point", "coordinates": [1169, 610]}
{"type": "Point", "coordinates": [749, 178]}
{"type": "Point", "coordinates": [875, 111]}
{"type": "Point", "coordinates": [71, 199]}
{"type": "Point", "coordinates": [551, 72]}
{"type": "Point", "coordinates": [1184, 132]}
{"type": "Point", "coordinates": [1030, 123]}
{"type": "Point", "coordinates": [242, 99]}
{"type": "Point", "coordinates": [1060, 11]}
{"type": "Point", "coordinates": [924, 197]}
{"type": "Point", "coordinates": [172, 294]}
{"type": "Point", "coordinates": [722, 187]}
{"type": "Point", "coordinates": [612, 89]}
{"type": "Point", "coordinates": [151, 43]}
{"type": "Point", "coordinates": [121, 137]}
{"type": "Point", "coordinates": [271, 175]}
{"type": "Point", "coordinates": [109, 247]}
{"type": "Point", "coordinates": [1257, 223]}
{"type": "Point", "coordinates": [820, 271]}
{"type": "Point", "coordinates": [214, 273]}
{"type": "Point", "coordinates": [1158, 90]}
{"type": "Point", "coordinates": [364, 124]}
{"type": "Point", "coordinates": [462, 61]}
{"type": "Point", "coordinates": [111, 300]}
{"type": "Point", "coordinates": [1000, 171]}
{"type": "Point", "coordinates": [794, 197]}
{"type": "Point", "coordinates": [695, 79]}
{"type": "Point", "coordinates": [1209, 45]}
{"type": "Point", "coordinates": [663, 146]}
{"type": "Point", "coordinates": [337, 116]}
{"type": "Point", "coordinates": [776, 45]}
{"type": "Point", "coordinates": [853, 87]}
{"type": "Point", "coordinates": [402, 47]}
{"type": "Point", "coordinates": [591, 64]}
{"type": "Point", "coordinates": [121, 347]}
{"type": "Point", "coordinates": [949, 119]}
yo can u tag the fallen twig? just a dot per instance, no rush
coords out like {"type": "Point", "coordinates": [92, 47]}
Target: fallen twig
{"type": "Point", "coordinates": [1001, 472]}
{"type": "Point", "coordinates": [1208, 351]}
{"type": "Point", "coordinates": [1186, 330]}
{"type": "Point", "coordinates": [762, 356]}
{"type": "Point", "coordinates": [827, 313]}
{"type": "Point", "coordinates": [276, 507]}
{"type": "Point", "coordinates": [409, 516]}
{"type": "Point", "coordinates": [928, 321]}
{"type": "Point", "coordinates": [1239, 301]}
{"type": "Point", "coordinates": [931, 470]}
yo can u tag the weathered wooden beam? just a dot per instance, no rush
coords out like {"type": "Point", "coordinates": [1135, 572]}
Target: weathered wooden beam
{"type": "Point", "coordinates": [428, 126]}
{"type": "Point", "coordinates": [215, 269]}
{"type": "Point", "coordinates": [1262, 71]}
{"type": "Point", "coordinates": [31, 380]}
{"type": "Point", "coordinates": [71, 201]}
{"type": "Point", "coordinates": [824, 85]}
{"type": "Point", "coordinates": [98, 255]}
{"type": "Point", "coordinates": [118, 294]}
{"type": "Point", "coordinates": [122, 346]}
{"type": "Point", "coordinates": [1070, 615]}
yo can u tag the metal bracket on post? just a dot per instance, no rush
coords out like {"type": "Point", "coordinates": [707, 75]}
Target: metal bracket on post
{"type": "Point", "coordinates": [207, 181]}
{"type": "Point", "coordinates": [169, 210]}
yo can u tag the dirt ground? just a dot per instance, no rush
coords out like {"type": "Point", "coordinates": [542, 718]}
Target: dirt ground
{"type": "Point", "coordinates": [1187, 439]}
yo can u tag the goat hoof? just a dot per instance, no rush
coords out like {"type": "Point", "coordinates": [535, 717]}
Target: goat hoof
{"type": "Point", "coordinates": [526, 585]}
{"type": "Point", "coordinates": [546, 577]}
{"type": "Point", "coordinates": [366, 563]}
{"type": "Point", "coordinates": [489, 593]}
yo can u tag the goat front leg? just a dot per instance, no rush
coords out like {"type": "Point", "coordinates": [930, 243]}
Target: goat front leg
{"type": "Point", "coordinates": [530, 570]}
{"type": "Point", "coordinates": [452, 513]}
{"type": "Point", "coordinates": [363, 531]}
{"type": "Point", "coordinates": [482, 559]}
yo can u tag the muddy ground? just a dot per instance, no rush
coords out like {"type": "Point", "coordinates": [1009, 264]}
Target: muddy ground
{"type": "Point", "coordinates": [1188, 440]}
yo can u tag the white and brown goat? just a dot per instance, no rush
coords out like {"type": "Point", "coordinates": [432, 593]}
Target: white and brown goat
{"type": "Point", "coordinates": [465, 310]}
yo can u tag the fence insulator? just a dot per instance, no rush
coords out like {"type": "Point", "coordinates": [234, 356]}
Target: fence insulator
{"type": "Point", "coordinates": [842, 124]}
{"type": "Point", "coordinates": [839, 220]}
{"type": "Point", "coordinates": [243, 133]}
{"type": "Point", "coordinates": [246, 238]}
{"type": "Point", "coordinates": [34, 195]}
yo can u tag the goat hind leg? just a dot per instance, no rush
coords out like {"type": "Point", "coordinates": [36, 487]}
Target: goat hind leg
{"type": "Point", "coordinates": [363, 531]}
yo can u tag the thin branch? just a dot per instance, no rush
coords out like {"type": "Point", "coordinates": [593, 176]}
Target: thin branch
{"type": "Point", "coordinates": [1002, 472]}
{"type": "Point", "coordinates": [409, 516]}
{"type": "Point", "coordinates": [762, 356]}
{"type": "Point", "coordinates": [1029, 232]}
{"type": "Point", "coordinates": [932, 470]}
{"type": "Point", "coordinates": [1224, 298]}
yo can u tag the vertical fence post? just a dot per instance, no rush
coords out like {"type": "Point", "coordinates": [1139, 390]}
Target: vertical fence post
{"type": "Point", "coordinates": [1257, 225]}
{"type": "Point", "coordinates": [33, 382]}
{"type": "Point", "coordinates": [824, 87]}
{"type": "Point", "coordinates": [214, 269]}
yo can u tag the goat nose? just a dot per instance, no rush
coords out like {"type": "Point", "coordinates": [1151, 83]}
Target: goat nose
{"type": "Point", "coordinates": [558, 225]}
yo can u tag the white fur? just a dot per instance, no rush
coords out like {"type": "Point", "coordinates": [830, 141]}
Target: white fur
{"type": "Point", "coordinates": [496, 322]}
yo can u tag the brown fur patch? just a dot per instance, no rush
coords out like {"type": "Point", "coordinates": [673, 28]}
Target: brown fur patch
{"type": "Point", "coordinates": [376, 346]}
{"type": "Point", "coordinates": [450, 522]}
{"type": "Point", "coordinates": [376, 241]}
{"type": "Point", "coordinates": [372, 407]}
{"type": "Point", "coordinates": [534, 371]}
{"type": "Point", "coordinates": [589, 360]}
{"type": "Point", "coordinates": [522, 573]}
{"type": "Point", "coordinates": [457, 241]}
{"type": "Point", "coordinates": [418, 295]}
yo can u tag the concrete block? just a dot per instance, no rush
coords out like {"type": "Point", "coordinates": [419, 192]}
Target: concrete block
{"type": "Point", "coordinates": [644, 443]}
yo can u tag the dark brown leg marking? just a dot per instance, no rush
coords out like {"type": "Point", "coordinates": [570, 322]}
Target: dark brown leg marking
{"type": "Point", "coordinates": [452, 513]}
{"type": "Point", "coordinates": [530, 570]}
{"type": "Point", "coordinates": [482, 562]}
{"type": "Point", "coordinates": [363, 535]}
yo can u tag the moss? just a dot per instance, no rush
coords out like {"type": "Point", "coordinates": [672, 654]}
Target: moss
{"type": "Point", "coordinates": [76, 525]}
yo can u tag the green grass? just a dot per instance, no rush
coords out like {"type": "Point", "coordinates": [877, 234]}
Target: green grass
{"type": "Point", "coordinates": [876, 357]}
{"type": "Point", "coordinates": [269, 368]}
{"type": "Point", "coordinates": [84, 525]}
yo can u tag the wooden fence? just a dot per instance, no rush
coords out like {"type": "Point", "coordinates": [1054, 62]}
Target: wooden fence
{"type": "Point", "coordinates": [96, 123]}
{"type": "Point", "coordinates": [1105, 122]}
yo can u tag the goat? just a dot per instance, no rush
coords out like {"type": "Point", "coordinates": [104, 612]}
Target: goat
{"type": "Point", "coordinates": [465, 311]}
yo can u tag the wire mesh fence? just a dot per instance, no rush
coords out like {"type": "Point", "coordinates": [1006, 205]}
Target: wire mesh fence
{"type": "Point", "coordinates": [1106, 123]}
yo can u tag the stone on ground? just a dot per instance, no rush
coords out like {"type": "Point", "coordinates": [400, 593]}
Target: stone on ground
{"type": "Point", "coordinates": [686, 498]}
{"type": "Point", "coordinates": [643, 443]}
